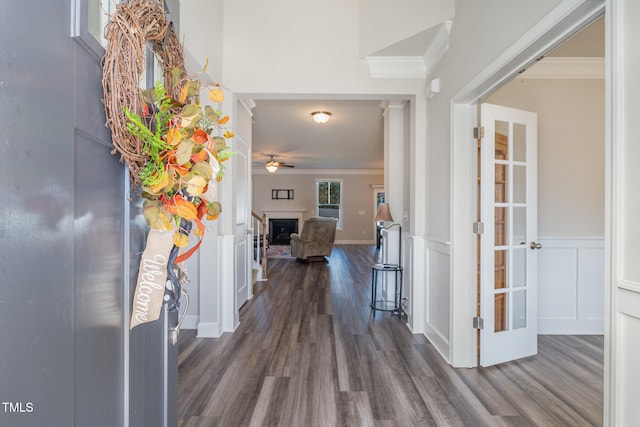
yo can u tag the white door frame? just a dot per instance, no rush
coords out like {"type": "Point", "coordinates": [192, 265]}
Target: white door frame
{"type": "Point", "coordinates": [559, 25]}
{"type": "Point", "coordinates": [376, 190]}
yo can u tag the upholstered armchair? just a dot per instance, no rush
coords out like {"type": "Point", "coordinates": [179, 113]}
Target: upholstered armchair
{"type": "Point", "coordinates": [316, 239]}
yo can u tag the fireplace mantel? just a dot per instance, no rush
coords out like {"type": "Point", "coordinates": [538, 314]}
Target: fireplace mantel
{"type": "Point", "coordinates": [286, 214]}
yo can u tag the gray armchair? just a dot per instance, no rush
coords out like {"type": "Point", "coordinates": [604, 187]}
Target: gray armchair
{"type": "Point", "coordinates": [316, 239]}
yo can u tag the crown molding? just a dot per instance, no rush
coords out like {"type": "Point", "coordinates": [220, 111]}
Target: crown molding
{"type": "Point", "coordinates": [396, 67]}
{"type": "Point", "coordinates": [438, 46]}
{"type": "Point", "coordinates": [566, 68]}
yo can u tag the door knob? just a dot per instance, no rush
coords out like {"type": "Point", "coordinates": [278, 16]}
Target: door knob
{"type": "Point", "coordinates": [535, 245]}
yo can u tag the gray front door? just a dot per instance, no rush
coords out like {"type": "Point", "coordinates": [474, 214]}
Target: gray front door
{"type": "Point", "coordinates": [68, 243]}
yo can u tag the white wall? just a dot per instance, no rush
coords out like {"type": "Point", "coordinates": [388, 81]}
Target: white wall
{"type": "Point", "coordinates": [570, 151]}
{"type": "Point", "coordinates": [415, 16]}
{"type": "Point", "coordinates": [201, 32]}
{"type": "Point", "coordinates": [286, 47]}
{"type": "Point", "coordinates": [480, 33]}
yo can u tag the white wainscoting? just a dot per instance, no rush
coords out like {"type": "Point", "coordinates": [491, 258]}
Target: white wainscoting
{"type": "Point", "coordinates": [438, 289]}
{"type": "Point", "coordinates": [571, 286]}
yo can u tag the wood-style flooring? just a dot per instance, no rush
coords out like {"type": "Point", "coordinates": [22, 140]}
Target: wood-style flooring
{"type": "Point", "coordinates": [309, 353]}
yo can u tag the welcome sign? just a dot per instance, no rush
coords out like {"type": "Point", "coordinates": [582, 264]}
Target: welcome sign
{"type": "Point", "coordinates": [152, 277]}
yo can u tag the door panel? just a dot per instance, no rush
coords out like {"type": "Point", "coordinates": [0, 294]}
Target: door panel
{"type": "Point", "coordinates": [241, 167]}
{"type": "Point", "coordinates": [507, 257]}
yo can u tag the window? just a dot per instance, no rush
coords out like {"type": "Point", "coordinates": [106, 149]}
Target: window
{"type": "Point", "coordinates": [98, 16]}
{"type": "Point", "coordinates": [329, 199]}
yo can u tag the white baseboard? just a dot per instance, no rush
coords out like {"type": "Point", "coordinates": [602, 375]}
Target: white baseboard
{"type": "Point", "coordinates": [190, 322]}
{"type": "Point", "coordinates": [209, 330]}
{"type": "Point", "coordinates": [570, 326]}
{"type": "Point", "coordinates": [440, 343]}
{"type": "Point", "coordinates": [355, 242]}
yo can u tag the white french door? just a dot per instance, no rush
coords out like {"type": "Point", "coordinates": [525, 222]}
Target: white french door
{"type": "Point", "coordinates": [508, 246]}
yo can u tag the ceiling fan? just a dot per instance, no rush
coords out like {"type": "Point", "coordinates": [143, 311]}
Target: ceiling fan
{"type": "Point", "coordinates": [273, 165]}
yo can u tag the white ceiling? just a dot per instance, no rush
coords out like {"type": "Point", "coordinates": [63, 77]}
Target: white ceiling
{"type": "Point", "coordinates": [352, 139]}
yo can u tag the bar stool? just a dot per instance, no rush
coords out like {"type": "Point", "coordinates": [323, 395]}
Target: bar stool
{"type": "Point", "coordinates": [395, 305]}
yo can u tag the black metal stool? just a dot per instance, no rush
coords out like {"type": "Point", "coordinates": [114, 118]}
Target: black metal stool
{"type": "Point", "coordinates": [395, 305]}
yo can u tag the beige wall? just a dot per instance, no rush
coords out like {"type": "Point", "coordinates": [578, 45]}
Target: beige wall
{"type": "Point", "coordinates": [570, 151]}
{"type": "Point", "coordinates": [358, 205]}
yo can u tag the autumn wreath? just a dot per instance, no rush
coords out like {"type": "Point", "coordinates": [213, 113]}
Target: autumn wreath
{"type": "Point", "coordinates": [173, 146]}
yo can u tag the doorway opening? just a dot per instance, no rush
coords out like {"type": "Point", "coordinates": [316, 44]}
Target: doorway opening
{"type": "Point", "coordinates": [570, 183]}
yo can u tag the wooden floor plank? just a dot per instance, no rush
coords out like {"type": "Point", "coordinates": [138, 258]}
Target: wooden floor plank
{"type": "Point", "coordinates": [309, 352]}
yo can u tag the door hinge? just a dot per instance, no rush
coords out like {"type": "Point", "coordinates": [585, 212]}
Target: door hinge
{"type": "Point", "coordinates": [478, 133]}
{"type": "Point", "coordinates": [478, 323]}
{"type": "Point", "coordinates": [478, 227]}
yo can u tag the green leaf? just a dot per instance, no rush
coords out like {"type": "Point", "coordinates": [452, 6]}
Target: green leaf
{"type": "Point", "coordinates": [191, 115]}
{"type": "Point", "coordinates": [184, 150]}
{"type": "Point", "coordinates": [151, 210]}
{"type": "Point", "coordinates": [194, 87]}
{"type": "Point", "coordinates": [211, 114]}
{"type": "Point", "coordinates": [219, 143]}
{"type": "Point", "coordinates": [149, 96]}
{"type": "Point", "coordinates": [203, 169]}
{"type": "Point", "coordinates": [214, 209]}
{"type": "Point", "coordinates": [176, 76]}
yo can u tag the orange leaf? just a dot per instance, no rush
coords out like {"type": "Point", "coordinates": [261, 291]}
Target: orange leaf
{"type": "Point", "coordinates": [163, 183]}
{"type": "Point", "coordinates": [179, 206]}
{"type": "Point", "coordinates": [223, 120]}
{"type": "Point", "coordinates": [174, 136]}
{"type": "Point", "coordinates": [184, 93]}
{"type": "Point", "coordinates": [199, 157]}
{"type": "Point", "coordinates": [182, 170]}
{"type": "Point", "coordinates": [200, 136]}
{"type": "Point", "coordinates": [216, 95]}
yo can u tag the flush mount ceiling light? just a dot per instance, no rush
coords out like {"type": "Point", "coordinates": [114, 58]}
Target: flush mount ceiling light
{"type": "Point", "coordinates": [321, 116]}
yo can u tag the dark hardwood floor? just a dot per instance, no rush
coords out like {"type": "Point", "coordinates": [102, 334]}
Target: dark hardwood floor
{"type": "Point", "coordinates": [309, 353]}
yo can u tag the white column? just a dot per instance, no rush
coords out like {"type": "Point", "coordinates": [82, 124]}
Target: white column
{"type": "Point", "coordinates": [395, 171]}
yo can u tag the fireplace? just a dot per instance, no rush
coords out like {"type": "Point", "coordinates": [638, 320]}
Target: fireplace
{"type": "Point", "coordinates": [280, 229]}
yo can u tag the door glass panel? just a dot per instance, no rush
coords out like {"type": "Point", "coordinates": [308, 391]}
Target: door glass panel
{"type": "Point", "coordinates": [500, 312]}
{"type": "Point", "coordinates": [502, 139]}
{"type": "Point", "coordinates": [500, 227]}
{"type": "Point", "coordinates": [519, 267]}
{"type": "Point", "coordinates": [519, 184]}
{"type": "Point", "coordinates": [519, 142]}
{"type": "Point", "coordinates": [500, 275]}
{"type": "Point", "coordinates": [519, 320]}
{"type": "Point", "coordinates": [519, 226]}
{"type": "Point", "coordinates": [501, 183]}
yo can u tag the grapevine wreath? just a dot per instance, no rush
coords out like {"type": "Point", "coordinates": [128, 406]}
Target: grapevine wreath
{"type": "Point", "coordinates": [172, 146]}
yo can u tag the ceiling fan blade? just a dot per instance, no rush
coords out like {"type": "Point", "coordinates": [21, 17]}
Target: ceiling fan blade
{"type": "Point", "coordinates": [284, 165]}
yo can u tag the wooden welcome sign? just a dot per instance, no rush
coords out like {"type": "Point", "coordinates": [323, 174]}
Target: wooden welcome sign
{"type": "Point", "coordinates": [152, 277]}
